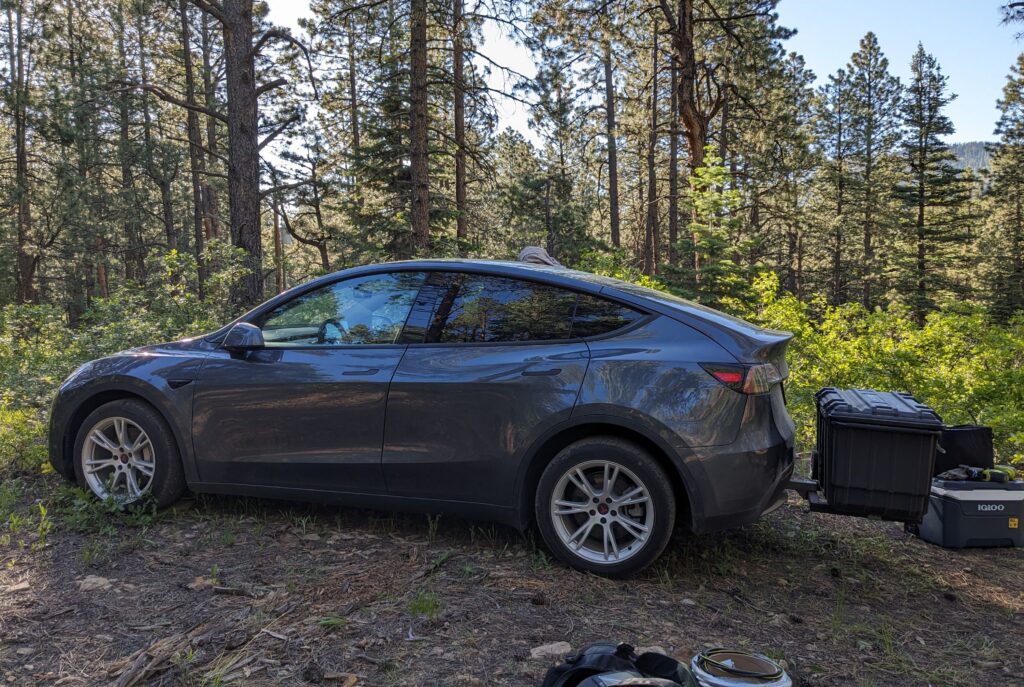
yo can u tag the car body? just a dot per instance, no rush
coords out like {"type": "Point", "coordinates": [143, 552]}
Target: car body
{"type": "Point", "coordinates": [449, 386]}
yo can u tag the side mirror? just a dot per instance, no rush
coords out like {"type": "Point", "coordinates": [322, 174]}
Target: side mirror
{"type": "Point", "coordinates": [243, 337]}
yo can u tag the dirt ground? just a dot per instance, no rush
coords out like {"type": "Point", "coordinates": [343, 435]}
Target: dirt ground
{"type": "Point", "coordinates": [249, 592]}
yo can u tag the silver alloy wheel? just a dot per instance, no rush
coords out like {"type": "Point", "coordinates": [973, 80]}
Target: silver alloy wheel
{"type": "Point", "coordinates": [118, 460]}
{"type": "Point", "coordinates": [602, 511]}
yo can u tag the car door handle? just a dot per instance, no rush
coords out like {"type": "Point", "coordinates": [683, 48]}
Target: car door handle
{"type": "Point", "coordinates": [361, 373]}
{"type": "Point", "coordinates": [542, 373]}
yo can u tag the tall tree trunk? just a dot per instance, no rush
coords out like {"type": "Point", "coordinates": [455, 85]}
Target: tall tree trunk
{"type": "Point", "coordinates": [197, 163]}
{"type": "Point", "coordinates": [673, 171]}
{"type": "Point", "coordinates": [211, 206]}
{"type": "Point", "coordinates": [610, 135]}
{"type": "Point", "coordinates": [459, 107]}
{"type": "Point", "coordinates": [28, 259]}
{"type": "Point", "coordinates": [867, 273]}
{"type": "Point", "coordinates": [549, 229]}
{"type": "Point", "coordinates": [922, 250]}
{"type": "Point", "coordinates": [353, 87]}
{"type": "Point", "coordinates": [161, 176]}
{"type": "Point", "coordinates": [418, 151]}
{"type": "Point", "coordinates": [243, 147]}
{"type": "Point", "coordinates": [135, 255]}
{"type": "Point", "coordinates": [695, 121]}
{"type": "Point", "coordinates": [650, 263]}
{"type": "Point", "coordinates": [279, 285]}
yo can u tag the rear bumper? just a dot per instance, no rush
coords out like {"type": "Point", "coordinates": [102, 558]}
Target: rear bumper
{"type": "Point", "coordinates": [735, 484]}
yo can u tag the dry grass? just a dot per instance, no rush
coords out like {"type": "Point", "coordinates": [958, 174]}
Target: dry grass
{"type": "Point", "coordinates": [239, 591]}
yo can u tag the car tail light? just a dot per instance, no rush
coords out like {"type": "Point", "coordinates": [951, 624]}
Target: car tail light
{"type": "Point", "coordinates": [747, 379]}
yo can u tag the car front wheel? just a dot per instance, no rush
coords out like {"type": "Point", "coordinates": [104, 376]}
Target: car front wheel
{"type": "Point", "coordinates": [125, 451]}
{"type": "Point", "coordinates": [604, 505]}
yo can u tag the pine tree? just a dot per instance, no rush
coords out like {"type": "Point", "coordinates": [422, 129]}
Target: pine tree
{"type": "Point", "coordinates": [834, 131]}
{"type": "Point", "coordinates": [935, 191]}
{"type": "Point", "coordinates": [1003, 242]}
{"type": "Point", "coordinates": [875, 97]}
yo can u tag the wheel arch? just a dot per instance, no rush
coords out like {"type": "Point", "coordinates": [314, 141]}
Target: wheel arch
{"type": "Point", "coordinates": [100, 397]}
{"type": "Point", "coordinates": [548, 446]}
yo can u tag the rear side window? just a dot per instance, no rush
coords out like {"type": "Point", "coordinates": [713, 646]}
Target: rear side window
{"type": "Point", "coordinates": [596, 316]}
{"type": "Point", "coordinates": [475, 308]}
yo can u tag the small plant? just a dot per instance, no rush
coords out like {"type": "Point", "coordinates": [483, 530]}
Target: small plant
{"type": "Point", "coordinates": [43, 528]}
{"type": "Point", "coordinates": [94, 552]}
{"type": "Point", "coordinates": [432, 522]}
{"type": "Point", "coordinates": [332, 622]}
{"type": "Point", "coordinates": [426, 604]}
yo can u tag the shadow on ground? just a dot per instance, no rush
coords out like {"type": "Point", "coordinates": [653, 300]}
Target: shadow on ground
{"type": "Point", "coordinates": [252, 592]}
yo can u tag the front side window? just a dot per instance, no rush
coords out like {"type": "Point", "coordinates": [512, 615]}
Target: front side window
{"type": "Point", "coordinates": [361, 310]}
{"type": "Point", "coordinates": [475, 308]}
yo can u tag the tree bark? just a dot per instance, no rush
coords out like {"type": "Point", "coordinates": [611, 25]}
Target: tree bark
{"type": "Point", "coordinates": [27, 260]}
{"type": "Point", "coordinates": [695, 121]}
{"type": "Point", "coordinates": [243, 147]}
{"type": "Point", "coordinates": [197, 163]}
{"type": "Point", "coordinates": [135, 256]}
{"type": "Point", "coordinates": [650, 260]}
{"type": "Point", "coordinates": [418, 151]}
{"type": "Point", "coordinates": [459, 108]}
{"type": "Point", "coordinates": [353, 88]}
{"type": "Point", "coordinates": [211, 207]}
{"type": "Point", "coordinates": [673, 172]}
{"type": "Point", "coordinates": [157, 172]}
{"type": "Point", "coordinates": [610, 134]}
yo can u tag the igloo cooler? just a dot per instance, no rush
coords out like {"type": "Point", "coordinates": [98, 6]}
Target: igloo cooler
{"type": "Point", "coordinates": [963, 514]}
{"type": "Point", "coordinates": [875, 453]}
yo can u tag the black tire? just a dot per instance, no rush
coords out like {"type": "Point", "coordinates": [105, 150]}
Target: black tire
{"type": "Point", "coordinates": [634, 459]}
{"type": "Point", "coordinates": [168, 480]}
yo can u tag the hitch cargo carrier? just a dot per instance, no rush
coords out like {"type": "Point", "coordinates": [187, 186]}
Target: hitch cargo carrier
{"type": "Point", "coordinates": [874, 456]}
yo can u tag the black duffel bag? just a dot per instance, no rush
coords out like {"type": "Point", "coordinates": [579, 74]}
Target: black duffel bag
{"type": "Point", "coordinates": [618, 662]}
{"type": "Point", "coordinates": [964, 445]}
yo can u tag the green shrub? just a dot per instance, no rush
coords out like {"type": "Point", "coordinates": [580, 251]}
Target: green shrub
{"type": "Point", "coordinates": [22, 441]}
{"type": "Point", "coordinates": [962, 363]}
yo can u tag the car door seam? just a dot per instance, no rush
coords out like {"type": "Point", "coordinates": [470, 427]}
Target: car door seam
{"type": "Point", "coordinates": [384, 424]}
{"type": "Point", "coordinates": [583, 380]}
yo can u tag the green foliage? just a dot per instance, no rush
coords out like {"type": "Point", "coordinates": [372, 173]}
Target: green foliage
{"type": "Point", "coordinates": [426, 604]}
{"type": "Point", "coordinates": [38, 349]}
{"type": "Point", "coordinates": [22, 444]}
{"type": "Point", "coordinates": [717, 276]}
{"type": "Point", "coordinates": [960, 362]}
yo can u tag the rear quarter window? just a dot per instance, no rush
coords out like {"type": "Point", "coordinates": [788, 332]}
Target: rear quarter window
{"type": "Point", "coordinates": [596, 316]}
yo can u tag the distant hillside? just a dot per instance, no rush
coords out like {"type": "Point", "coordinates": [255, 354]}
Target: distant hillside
{"type": "Point", "coordinates": [972, 154]}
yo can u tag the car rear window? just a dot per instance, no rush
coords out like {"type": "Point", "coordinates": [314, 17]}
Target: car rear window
{"type": "Point", "coordinates": [596, 316]}
{"type": "Point", "coordinates": [476, 308]}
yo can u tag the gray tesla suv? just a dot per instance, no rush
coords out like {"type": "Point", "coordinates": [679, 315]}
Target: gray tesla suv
{"type": "Point", "coordinates": [600, 411]}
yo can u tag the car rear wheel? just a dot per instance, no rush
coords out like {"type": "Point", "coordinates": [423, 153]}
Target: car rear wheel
{"type": "Point", "coordinates": [604, 505]}
{"type": "Point", "coordinates": [125, 451]}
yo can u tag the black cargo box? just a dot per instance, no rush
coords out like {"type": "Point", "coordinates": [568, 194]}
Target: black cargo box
{"type": "Point", "coordinates": [875, 453]}
{"type": "Point", "coordinates": [964, 445]}
{"type": "Point", "coordinates": [964, 514]}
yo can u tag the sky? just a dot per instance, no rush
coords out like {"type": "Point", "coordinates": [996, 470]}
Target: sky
{"type": "Point", "coordinates": [975, 51]}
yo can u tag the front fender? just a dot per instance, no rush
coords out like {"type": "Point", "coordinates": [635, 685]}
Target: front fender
{"type": "Point", "coordinates": [163, 381]}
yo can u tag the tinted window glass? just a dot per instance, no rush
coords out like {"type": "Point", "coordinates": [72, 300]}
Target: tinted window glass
{"type": "Point", "coordinates": [362, 310]}
{"type": "Point", "coordinates": [476, 308]}
{"type": "Point", "coordinates": [596, 316]}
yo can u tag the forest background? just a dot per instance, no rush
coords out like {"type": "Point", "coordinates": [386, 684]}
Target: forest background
{"type": "Point", "coordinates": [167, 164]}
